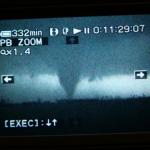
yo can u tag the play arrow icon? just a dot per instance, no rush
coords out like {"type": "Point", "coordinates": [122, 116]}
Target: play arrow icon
{"type": "Point", "coordinates": [76, 31]}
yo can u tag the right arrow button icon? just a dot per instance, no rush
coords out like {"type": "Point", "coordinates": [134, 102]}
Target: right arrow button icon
{"type": "Point", "coordinates": [140, 74]}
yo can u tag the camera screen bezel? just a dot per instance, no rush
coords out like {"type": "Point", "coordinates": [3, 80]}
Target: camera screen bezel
{"type": "Point", "coordinates": [78, 10]}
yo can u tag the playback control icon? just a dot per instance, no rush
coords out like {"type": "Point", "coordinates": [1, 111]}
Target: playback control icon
{"type": "Point", "coordinates": [140, 74]}
{"type": "Point", "coordinates": [7, 79]}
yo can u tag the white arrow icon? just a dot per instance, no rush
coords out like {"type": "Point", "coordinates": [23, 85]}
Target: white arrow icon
{"type": "Point", "coordinates": [48, 123]}
{"type": "Point", "coordinates": [54, 121]}
{"type": "Point", "coordinates": [141, 75]}
{"type": "Point", "coordinates": [7, 79]}
{"type": "Point", "coordinates": [76, 31]}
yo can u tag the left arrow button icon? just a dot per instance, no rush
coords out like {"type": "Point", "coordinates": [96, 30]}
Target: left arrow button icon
{"type": "Point", "coordinates": [7, 79]}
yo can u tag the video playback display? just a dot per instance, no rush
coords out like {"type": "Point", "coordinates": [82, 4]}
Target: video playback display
{"type": "Point", "coordinates": [77, 75]}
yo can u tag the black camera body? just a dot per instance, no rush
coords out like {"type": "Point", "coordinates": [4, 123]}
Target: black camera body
{"type": "Point", "coordinates": [74, 138]}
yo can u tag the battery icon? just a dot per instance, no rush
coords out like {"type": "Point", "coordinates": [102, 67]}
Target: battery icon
{"type": "Point", "coordinates": [5, 34]}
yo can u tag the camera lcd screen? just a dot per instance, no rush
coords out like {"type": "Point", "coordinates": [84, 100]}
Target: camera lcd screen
{"type": "Point", "coordinates": [75, 75]}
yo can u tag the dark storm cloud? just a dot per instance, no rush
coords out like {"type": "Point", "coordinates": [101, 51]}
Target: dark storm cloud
{"type": "Point", "coordinates": [41, 87]}
{"type": "Point", "coordinates": [122, 86]}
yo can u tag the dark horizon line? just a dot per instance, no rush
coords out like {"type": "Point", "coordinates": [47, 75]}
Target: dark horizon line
{"type": "Point", "coordinates": [103, 99]}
